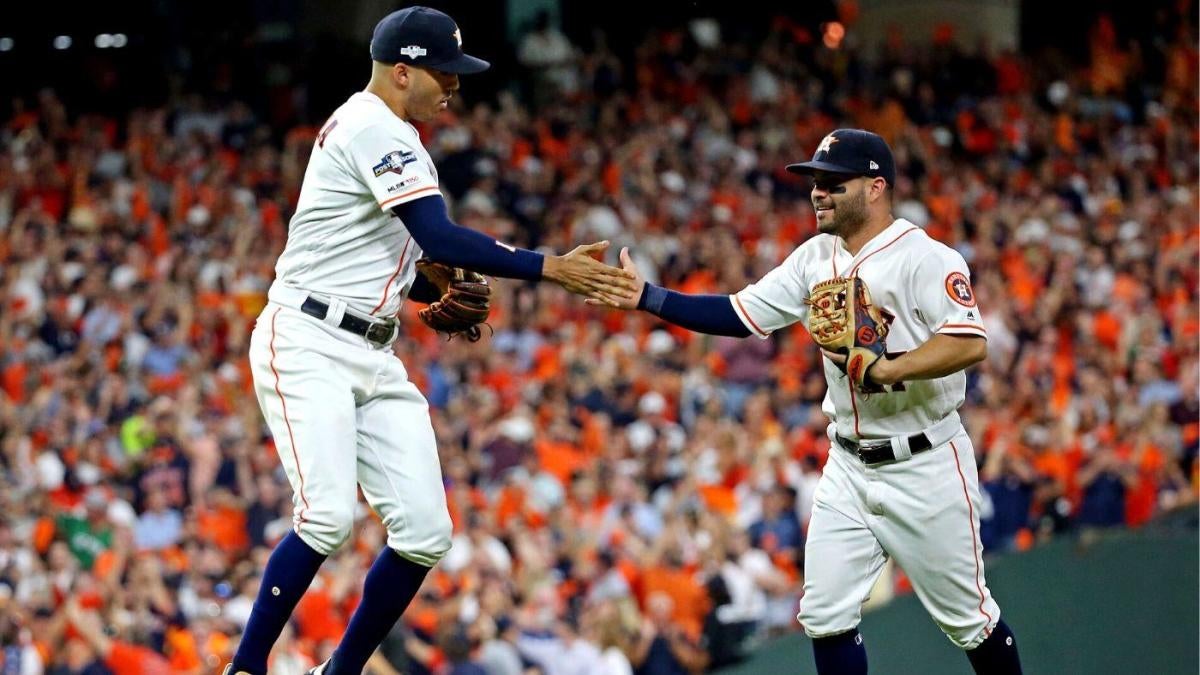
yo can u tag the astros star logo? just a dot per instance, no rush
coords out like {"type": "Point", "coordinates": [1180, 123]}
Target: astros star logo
{"type": "Point", "coordinates": [959, 289]}
{"type": "Point", "coordinates": [826, 143]}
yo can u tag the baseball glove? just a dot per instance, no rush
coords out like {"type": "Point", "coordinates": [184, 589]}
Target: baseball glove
{"type": "Point", "coordinates": [842, 319]}
{"type": "Point", "coordinates": [465, 302]}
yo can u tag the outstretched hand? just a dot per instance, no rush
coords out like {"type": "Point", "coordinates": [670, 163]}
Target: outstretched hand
{"type": "Point", "coordinates": [581, 273]}
{"type": "Point", "coordinates": [624, 302]}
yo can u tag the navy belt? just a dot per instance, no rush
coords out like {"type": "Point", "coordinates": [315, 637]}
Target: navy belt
{"type": "Point", "coordinates": [874, 452]}
{"type": "Point", "coordinates": [378, 332]}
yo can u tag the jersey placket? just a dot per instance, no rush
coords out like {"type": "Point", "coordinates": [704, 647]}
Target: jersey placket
{"type": "Point", "coordinates": [852, 271]}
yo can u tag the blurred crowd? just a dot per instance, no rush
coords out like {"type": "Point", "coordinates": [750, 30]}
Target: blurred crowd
{"type": "Point", "coordinates": [627, 497]}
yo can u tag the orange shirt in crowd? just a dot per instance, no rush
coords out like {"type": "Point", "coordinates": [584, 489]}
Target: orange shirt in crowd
{"type": "Point", "coordinates": [130, 659]}
{"type": "Point", "coordinates": [224, 526]}
{"type": "Point", "coordinates": [690, 598]}
{"type": "Point", "coordinates": [317, 617]}
{"type": "Point", "coordinates": [560, 459]}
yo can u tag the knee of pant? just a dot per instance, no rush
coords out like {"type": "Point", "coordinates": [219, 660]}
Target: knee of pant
{"type": "Point", "coordinates": [969, 636]}
{"type": "Point", "coordinates": [327, 529]}
{"type": "Point", "coordinates": [824, 619]}
{"type": "Point", "coordinates": [423, 540]}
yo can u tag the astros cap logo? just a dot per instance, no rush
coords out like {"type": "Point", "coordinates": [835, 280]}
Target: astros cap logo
{"type": "Point", "coordinates": [826, 143]}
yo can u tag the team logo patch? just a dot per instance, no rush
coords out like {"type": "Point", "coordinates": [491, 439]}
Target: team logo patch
{"type": "Point", "coordinates": [867, 335]}
{"type": "Point", "coordinates": [959, 289]}
{"type": "Point", "coordinates": [413, 51]}
{"type": "Point", "coordinates": [394, 162]}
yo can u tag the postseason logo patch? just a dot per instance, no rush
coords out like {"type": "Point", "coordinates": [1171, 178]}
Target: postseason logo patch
{"type": "Point", "coordinates": [394, 162]}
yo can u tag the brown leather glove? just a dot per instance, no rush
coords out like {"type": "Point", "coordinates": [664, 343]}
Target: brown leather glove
{"type": "Point", "coordinates": [465, 303]}
{"type": "Point", "coordinates": [842, 319]}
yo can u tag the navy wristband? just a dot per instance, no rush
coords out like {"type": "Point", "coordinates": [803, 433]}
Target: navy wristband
{"type": "Point", "coordinates": [652, 298]}
{"type": "Point", "coordinates": [711, 314]}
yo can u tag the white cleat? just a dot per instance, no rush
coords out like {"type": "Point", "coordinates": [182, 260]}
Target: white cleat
{"type": "Point", "coordinates": [318, 670]}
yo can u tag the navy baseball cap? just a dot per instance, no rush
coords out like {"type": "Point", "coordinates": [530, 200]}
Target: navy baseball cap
{"type": "Point", "coordinates": [851, 151]}
{"type": "Point", "coordinates": [425, 38]}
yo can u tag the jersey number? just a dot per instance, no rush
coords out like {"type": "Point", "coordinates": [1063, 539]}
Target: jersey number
{"type": "Point", "coordinates": [325, 132]}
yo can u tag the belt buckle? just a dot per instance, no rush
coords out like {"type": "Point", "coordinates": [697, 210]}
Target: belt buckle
{"type": "Point", "coordinates": [872, 447]}
{"type": "Point", "coordinates": [391, 325]}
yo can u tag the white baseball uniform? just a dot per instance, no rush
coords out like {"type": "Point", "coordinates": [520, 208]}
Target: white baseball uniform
{"type": "Point", "coordinates": [341, 407]}
{"type": "Point", "coordinates": [923, 508]}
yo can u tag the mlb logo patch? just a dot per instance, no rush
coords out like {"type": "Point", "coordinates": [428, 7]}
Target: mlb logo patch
{"type": "Point", "coordinates": [394, 162]}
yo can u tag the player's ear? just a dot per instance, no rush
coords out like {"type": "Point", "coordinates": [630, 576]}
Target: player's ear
{"type": "Point", "coordinates": [401, 75]}
{"type": "Point", "coordinates": [877, 188]}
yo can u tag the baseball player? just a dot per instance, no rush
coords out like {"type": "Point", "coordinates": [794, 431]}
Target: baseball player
{"type": "Point", "coordinates": [897, 320]}
{"type": "Point", "coordinates": [340, 405]}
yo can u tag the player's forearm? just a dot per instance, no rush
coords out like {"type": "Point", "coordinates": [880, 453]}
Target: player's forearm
{"type": "Point", "coordinates": [446, 242]}
{"type": "Point", "coordinates": [940, 356]}
{"type": "Point", "coordinates": [711, 314]}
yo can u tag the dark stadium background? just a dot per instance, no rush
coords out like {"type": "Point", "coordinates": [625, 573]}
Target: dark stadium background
{"type": "Point", "coordinates": [222, 47]}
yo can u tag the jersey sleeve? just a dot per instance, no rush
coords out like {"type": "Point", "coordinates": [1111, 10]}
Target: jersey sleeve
{"type": "Point", "coordinates": [944, 297]}
{"type": "Point", "coordinates": [776, 300]}
{"type": "Point", "coordinates": [386, 159]}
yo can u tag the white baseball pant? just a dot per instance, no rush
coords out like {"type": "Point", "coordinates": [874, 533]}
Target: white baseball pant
{"type": "Point", "coordinates": [345, 415]}
{"type": "Point", "coordinates": [925, 513]}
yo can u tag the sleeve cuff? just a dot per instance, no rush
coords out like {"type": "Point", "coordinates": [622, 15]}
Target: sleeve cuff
{"type": "Point", "coordinates": [742, 314]}
{"type": "Point", "coordinates": [396, 200]}
{"type": "Point", "coordinates": [962, 329]}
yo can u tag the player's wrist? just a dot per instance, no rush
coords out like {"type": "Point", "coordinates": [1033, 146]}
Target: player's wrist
{"type": "Point", "coordinates": [882, 372]}
{"type": "Point", "coordinates": [551, 266]}
{"type": "Point", "coordinates": [652, 298]}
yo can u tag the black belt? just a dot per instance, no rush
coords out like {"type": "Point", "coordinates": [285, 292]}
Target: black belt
{"type": "Point", "coordinates": [377, 332]}
{"type": "Point", "coordinates": [874, 452]}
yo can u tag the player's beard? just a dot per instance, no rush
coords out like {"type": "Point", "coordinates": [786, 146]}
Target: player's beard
{"type": "Point", "coordinates": [849, 215]}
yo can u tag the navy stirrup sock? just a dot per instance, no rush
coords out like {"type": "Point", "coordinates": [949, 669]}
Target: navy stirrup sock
{"type": "Point", "coordinates": [841, 654]}
{"type": "Point", "coordinates": [290, 570]}
{"type": "Point", "coordinates": [391, 584]}
{"type": "Point", "coordinates": [997, 655]}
